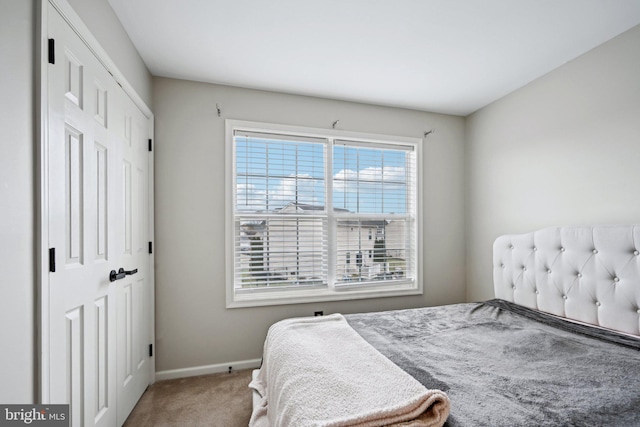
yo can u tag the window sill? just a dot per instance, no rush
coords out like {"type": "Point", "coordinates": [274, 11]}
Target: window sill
{"type": "Point", "coordinates": [302, 296]}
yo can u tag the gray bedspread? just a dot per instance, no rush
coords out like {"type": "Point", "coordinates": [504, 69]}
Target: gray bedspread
{"type": "Point", "coordinates": [505, 365]}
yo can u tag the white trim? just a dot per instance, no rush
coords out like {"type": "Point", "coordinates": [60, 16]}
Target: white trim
{"type": "Point", "coordinates": [419, 237]}
{"type": "Point", "coordinates": [332, 223]}
{"type": "Point", "coordinates": [301, 297]}
{"type": "Point", "coordinates": [152, 257]}
{"type": "Point", "coordinates": [330, 293]}
{"type": "Point", "coordinates": [74, 21]}
{"type": "Point", "coordinates": [42, 210]}
{"type": "Point", "coordinates": [228, 213]}
{"type": "Point", "coordinates": [218, 368]}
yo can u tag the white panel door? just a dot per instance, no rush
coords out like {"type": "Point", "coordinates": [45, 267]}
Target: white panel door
{"type": "Point", "coordinates": [99, 330]}
{"type": "Point", "coordinates": [134, 330]}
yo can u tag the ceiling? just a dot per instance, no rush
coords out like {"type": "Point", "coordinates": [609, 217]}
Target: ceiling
{"type": "Point", "coordinates": [445, 56]}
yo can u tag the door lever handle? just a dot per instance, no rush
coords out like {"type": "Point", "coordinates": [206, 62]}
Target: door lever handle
{"type": "Point", "coordinates": [128, 272]}
{"type": "Point", "coordinates": [113, 275]}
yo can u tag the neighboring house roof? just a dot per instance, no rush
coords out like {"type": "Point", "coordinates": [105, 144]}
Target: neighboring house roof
{"type": "Point", "coordinates": [364, 223]}
{"type": "Point", "coordinates": [259, 225]}
{"type": "Point", "coordinates": [304, 207]}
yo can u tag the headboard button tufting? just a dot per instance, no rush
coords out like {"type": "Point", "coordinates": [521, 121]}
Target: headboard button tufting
{"type": "Point", "coordinates": [599, 265]}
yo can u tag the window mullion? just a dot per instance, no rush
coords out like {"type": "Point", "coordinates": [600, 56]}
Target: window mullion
{"type": "Point", "coordinates": [331, 237]}
{"type": "Point", "coordinates": [382, 183]}
{"type": "Point", "coordinates": [266, 174]}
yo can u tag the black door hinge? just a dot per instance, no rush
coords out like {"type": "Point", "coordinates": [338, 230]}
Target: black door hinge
{"type": "Point", "coordinates": [150, 247]}
{"type": "Point", "coordinates": [150, 144]}
{"type": "Point", "coordinates": [52, 260]}
{"type": "Point", "coordinates": [150, 350]}
{"type": "Point", "coordinates": [52, 51]}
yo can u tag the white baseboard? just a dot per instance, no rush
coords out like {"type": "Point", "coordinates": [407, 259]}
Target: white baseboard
{"type": "Point", "coordinates": [207, 369]}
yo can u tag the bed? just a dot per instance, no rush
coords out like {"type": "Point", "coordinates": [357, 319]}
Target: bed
{"type": "Point", "coordinates": [559, 345]}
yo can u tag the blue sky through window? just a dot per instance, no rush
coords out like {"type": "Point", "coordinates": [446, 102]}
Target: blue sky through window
{"type": "Point", "coordinates": [369, 180]}
{"type": "Point", "coordinates": [272, 173]}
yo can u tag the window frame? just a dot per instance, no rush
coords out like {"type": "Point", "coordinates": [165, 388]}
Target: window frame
{"type": "Point", "coordinates": [331, 292]}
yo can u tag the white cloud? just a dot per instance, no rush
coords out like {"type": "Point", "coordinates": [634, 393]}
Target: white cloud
{"type": "Point", "coordinates": [370, 183]}
{"type": "Point", "coordinates": [309, 191]}
{"type": "Point", "coordinates": [369, 178]}
{"type": "Point", "coordinates": [252, 197]}
{"type": "Point", "coordinates": [249, 197]}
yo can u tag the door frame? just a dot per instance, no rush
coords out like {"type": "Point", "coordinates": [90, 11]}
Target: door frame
{"type": "Point", "coordinates": [41, 358]}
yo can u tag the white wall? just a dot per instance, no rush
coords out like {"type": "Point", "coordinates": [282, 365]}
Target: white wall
{"type": "Point", "coordinates": [563, 150]}
{"type": "Point", "coordinates": [193, 327]}
{"type": "Point", "coordinates": [17, 303]}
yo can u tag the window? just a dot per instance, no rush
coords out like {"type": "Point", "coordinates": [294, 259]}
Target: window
{"type": "Point", "coordinates": [316, 215]}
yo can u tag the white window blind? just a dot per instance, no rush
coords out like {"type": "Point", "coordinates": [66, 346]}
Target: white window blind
{"type": "Point", "coordinates": [317, 215]}
{"type": "Point", "coordinates": [374, 184]}
{"type": "Point", "coordinates": [275, 172]}
{"type": "Point", "coordinates": [281, 221]}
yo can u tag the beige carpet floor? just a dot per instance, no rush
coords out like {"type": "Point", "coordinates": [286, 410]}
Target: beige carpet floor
{"type": "Point", "coordinates": [209, 400]}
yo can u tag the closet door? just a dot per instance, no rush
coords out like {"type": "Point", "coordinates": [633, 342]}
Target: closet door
{"type": "Point", "coordinates": [99, 321]}
{"type": "Point", "coordinates": [133, 291]}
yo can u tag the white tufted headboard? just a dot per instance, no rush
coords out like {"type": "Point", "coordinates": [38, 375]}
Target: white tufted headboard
{"type": "Point", "coordinates": [589, 274]}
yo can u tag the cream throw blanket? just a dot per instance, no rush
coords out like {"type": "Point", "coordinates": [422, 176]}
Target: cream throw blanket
{"type": "Point", "coordinates": [318, 371]}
